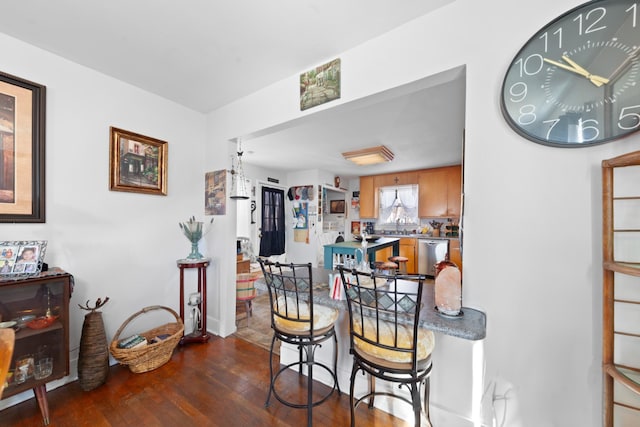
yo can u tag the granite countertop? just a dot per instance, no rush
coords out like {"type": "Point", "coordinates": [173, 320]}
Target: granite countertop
{"type": "Point", "coordinates": [472, 325]}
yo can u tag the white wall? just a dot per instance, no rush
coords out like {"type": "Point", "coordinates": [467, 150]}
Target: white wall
{"type": "Point", "coordinates": [532, 225]}
{"type": "Point", "coordinates": [535, 271]}
{"type": "Point", "coordinates": [116, 244]}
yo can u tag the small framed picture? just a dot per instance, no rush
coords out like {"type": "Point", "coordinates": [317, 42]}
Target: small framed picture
{"type": "Point", "coordinates": [22, 258]}
{"type": "Point", "coordinates": [355, 227]}
{"type": "Point", "coordinates": [138, 163]}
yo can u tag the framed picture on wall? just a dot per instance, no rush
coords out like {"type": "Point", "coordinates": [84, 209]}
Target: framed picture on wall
{"type": "Point", "coordinates": [138, 163]}
{"type": "Point", "coordinates": [355, 227]}
{"type": "Point", "coordinates": [22, 150]}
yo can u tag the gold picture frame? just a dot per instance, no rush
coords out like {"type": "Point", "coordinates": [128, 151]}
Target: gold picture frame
{"type": "Point", "coordinates": [22, 150]}
{"type": "Point", "coordinates": [138, 163]}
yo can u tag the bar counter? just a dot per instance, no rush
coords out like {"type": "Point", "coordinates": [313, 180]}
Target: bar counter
{"type": "Point", "coordinates": [472, 325]}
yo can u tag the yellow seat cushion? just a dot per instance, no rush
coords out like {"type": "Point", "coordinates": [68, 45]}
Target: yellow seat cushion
{"type": "Point", "coordinates": [323, 316]}
{"type": "Point", "coordinates": [425, 344]}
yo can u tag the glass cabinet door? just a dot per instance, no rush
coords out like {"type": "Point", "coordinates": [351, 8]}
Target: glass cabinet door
{"type": "Point", "coordinates": [37, 308]}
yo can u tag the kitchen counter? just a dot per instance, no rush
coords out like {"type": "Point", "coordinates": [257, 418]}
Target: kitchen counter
{"type": "Point", "coordinates": [417, 236]}
{"type": "Point", "coordinates": [472, 325]}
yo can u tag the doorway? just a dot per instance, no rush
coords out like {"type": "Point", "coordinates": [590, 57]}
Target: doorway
{"type": "Point", "coordinates": [272, 224]}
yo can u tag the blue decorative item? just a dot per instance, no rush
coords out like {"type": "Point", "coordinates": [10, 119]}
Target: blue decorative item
{"type": "Point", "coordinates": [194, 231]}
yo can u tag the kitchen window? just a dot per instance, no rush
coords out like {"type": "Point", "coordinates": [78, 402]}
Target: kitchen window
{"type": "Point", "coordinates": [399, 205]}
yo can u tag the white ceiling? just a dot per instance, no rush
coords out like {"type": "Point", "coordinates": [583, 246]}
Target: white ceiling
{"type": "Point", "coordinates": [204, 54]}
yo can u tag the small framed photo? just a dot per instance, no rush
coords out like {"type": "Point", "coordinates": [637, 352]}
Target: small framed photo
{"type": "Point", "coordinates": [22, 258]}
{"type": "Point", "coordinates": [138, 163]}
{"type": "Point", "coordinates": [355, 227]}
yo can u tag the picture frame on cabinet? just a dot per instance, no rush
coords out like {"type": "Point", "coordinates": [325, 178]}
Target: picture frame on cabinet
{"type": "Point", "coordinates": [137, 163]}
{"type": "Point", "coordinates": [22, 150]}
{"type": "Point", "coordinates": [22, 257]}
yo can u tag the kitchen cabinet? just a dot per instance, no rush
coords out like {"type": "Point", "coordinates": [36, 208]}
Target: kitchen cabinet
{"type": "Point", "coordinates": [368, 198]}
{"type": "Point", "coordinates": [408, 249]}
{"type": "Point", "coordinates": [621, 289]}
{"type": "Point", "coordinates": [45, 294]}
{"type": "Point", "coordinates": [455, 255]}
{"type": "Point", "coordinates": [383, 254]}
{"type": "Point", "coordinates": [440, 191]}
{"type": "Point", "coordinates": [399, 178]}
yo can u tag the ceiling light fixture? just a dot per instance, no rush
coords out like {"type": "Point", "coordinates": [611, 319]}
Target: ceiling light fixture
{"type": "Point", "coordinates": [239, 190]}
{"type": "Point", "coordinates": [369, 156]}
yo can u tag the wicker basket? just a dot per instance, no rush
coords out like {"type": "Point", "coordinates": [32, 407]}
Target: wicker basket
{"type": "Point", "coordinates": [151, 356]}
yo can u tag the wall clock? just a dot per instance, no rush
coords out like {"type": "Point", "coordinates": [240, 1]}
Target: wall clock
{"type": "Point", "coordinates": [575, 82]}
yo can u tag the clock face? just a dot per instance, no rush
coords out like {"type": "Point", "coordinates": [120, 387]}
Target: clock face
{"type": "Point", "coordinates": [576, 82]}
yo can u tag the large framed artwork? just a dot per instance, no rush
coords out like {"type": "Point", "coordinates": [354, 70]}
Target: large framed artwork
{"type": "Point", "coordinates": [22, 150]}
{"type": "Point", "coordinates": [138, 163]}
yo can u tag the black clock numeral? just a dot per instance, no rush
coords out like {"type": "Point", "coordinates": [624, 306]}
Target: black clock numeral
{"type": "Point", "coordinates": [598, 14]}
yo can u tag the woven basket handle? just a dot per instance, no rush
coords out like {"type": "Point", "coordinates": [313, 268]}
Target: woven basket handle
{"type": "Point", "coordinates": [143, 311]}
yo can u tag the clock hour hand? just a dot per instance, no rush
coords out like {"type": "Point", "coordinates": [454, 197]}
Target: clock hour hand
{"type": "Point", "coordinates": [592, 77]}
{"type": "Point", "coordinates": [575, 68]}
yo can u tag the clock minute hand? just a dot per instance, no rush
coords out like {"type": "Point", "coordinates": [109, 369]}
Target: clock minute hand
{"type": "Point", "coordinates": [596, 80]}
{"type": "Point", "coordinates": [592, 77]}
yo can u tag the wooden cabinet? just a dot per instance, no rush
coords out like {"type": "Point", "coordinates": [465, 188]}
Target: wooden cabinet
{"type": "Point", "coordinates": [383, 254]}
{"type": "Point", "coordinates": [621, 290]}
{"type": "Point", "coordinates": [400, 178]}
{"type": "Point", "coordinates": [454, 191]}
{"type": "Point", "coordinates": [440, 192]}
{"type": "Point", "coordinates": [455, 255]}
{"type": "Point", "coordinates": [408, 249]}
{"type": "Point", "coordinates": [46, 293]}
{"type": "Point", "coordinates": [368, 198]}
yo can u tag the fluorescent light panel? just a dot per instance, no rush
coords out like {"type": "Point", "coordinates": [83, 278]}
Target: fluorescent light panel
{"type": "Point", "coordinates": [369, 156]}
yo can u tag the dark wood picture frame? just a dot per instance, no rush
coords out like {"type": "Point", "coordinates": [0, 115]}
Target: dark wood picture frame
{"type": "Point", "coordinates": [138, 163]}
{"type": "Point", "coordinates": [22, 150]}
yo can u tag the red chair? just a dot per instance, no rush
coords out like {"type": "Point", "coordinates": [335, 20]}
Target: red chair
{"type": "Point", "coordinates": [246, 291]}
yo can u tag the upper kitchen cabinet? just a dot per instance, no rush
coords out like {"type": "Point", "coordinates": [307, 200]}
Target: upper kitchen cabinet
{"type": "Point", "coordinates": [391, 179]}
{"type": "Point", "coordinates": [440, 192]}
{"type": "Point", "coordinates": [368, 197]}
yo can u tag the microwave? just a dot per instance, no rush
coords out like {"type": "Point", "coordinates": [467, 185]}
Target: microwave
{"type": "Point", "coordinates": [337, 206]}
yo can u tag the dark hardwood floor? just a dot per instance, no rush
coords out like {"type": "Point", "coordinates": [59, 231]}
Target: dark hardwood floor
{"type": "Point", "coordinates": [221, 383]}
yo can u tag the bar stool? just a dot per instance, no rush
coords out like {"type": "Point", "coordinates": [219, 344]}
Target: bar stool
{"type": "Point", "coordinates": [386, 341]}
{"type": "Point", "coordinates": [296, 320]}
{"type": "Point", "coordinates": [402, 263]}
{"type": "Point", "coordinates": [389, 268]}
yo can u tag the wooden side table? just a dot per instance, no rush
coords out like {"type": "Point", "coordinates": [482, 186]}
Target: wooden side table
{"type": "Point", "coordinates": [201, 265]}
